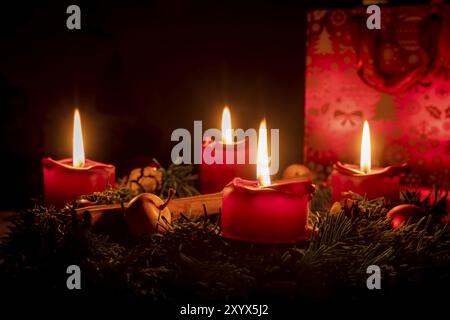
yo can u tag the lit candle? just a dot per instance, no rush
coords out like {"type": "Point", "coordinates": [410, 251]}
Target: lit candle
{"type": "Point", "coordinates": [215, 176]}
{"type": "Point", "coordinates": [265, 212]}
{"type": "Point", "coordinates": [365, 180]}
{"type": "Point", "coordinates": [66, 179]}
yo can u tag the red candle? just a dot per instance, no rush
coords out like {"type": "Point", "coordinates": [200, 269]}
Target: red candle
{"type": "Point", "coordinates": [380, 182]}
{"type": "Point", "coordinates": [365, 180]}
{"type": "Point", "coordinates": [215, 176]}
{"type": "Point", "coordinates": [66, 179]}
{"type": "Point", "coordinates": [277, 213]}
{"type": "Point", "coordinates": [258, 211]}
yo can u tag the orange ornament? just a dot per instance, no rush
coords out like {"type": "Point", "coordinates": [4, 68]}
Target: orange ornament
{"type": "Point", "coordinates": [147, 214]}
{"type": "Point", "coordinates": [297, 171]}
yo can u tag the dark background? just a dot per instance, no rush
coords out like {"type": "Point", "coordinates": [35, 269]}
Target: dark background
{"type": "Point", "coordinates": [139, 70]}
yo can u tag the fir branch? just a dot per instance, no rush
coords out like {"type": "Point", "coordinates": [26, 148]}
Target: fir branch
{"type": "Point", "coordinates": [178, 177]}
{"type": "Point", "coordinates": [110, 196]}
{"type": "Point", "coordinates": [192, 259]}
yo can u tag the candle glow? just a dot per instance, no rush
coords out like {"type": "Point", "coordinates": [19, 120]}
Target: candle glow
{"type": "Point", "coordinates": [227, 131]}
{"type": "Point", "coordinates": [262, 211]}
{"type": "Point", "coordinates": [69, 178]}
{"type": "Point", "coordinates": [365, 162]}
{"type": "Point", "coordinates": [370, 182]}
{"type": "Point", "coordinates": [234, 159]}
{"type": "Point", "coordinates": [262, 167]}
{"type": "Point", "coordinates": [78, 146]}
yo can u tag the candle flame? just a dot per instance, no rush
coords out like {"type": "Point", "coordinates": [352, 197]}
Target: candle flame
{"type": "Point", "coordinates": [227, 132]}
{"type": "Point", "coordinates": [365, 162]}
{"type": "Point", "coordinates": [263, 172]}
{"type": "Point", "coordinates": [78, 146]}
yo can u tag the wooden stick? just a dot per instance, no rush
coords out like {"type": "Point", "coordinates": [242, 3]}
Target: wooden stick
{"type": "Point", "coordinates": [194, 205]}
{"type": "Point", "coordinates": [190, 206]}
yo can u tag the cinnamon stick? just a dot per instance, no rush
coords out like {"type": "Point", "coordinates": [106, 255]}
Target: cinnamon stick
{"type": "Point", "coordinates": [194, 205]}
{"type": "Point", "coordinates": [190, 206]}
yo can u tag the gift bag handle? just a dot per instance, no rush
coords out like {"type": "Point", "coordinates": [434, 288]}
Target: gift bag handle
{"type": "Point", "coordinates": [428, 44]}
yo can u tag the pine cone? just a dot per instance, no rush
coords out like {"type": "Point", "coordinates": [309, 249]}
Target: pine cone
{"type": "Point", "coordinates": [145, 179]}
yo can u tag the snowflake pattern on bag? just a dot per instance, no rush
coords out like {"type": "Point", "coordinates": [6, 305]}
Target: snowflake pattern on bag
{"type": "Point", "coordinates": [411, 124]}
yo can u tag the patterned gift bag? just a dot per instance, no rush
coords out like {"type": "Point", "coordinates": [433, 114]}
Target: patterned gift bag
{"type": "Point", "coordinates": [397, 78]}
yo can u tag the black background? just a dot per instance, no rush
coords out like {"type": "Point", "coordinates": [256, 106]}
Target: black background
{"type": "Point", "coordinates": [139, 70]}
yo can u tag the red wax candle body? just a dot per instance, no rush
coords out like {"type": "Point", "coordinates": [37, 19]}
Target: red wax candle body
{"type": "Point", "coordinates": [274, 214]}
{"type": "Point", "coordinates": [214, 177]}
{"type": "Point", "coordinates": [63, 182]}
{"type": "Point", "coordinates": [381, 182]}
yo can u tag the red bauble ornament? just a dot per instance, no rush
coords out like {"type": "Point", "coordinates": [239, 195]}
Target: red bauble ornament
{"type": "Point", "coordinates": [401, 213]}
{"type": "Point", "coordinates": [446, 220]}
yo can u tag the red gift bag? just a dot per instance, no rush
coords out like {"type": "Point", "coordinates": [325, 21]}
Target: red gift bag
{"type": "Point", "coordinates": [397, 78]}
